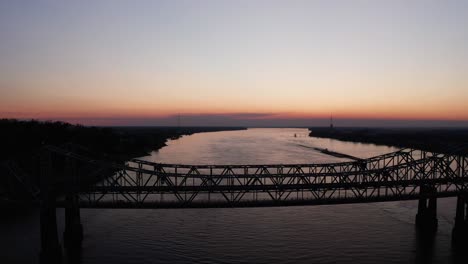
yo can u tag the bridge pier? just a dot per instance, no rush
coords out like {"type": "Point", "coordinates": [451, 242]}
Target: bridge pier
{"type": "Point", "coordinates": [460, 229]}
{"type": "Point", "coordinates": [426, 218]}
{"type": "Point", "coordinates": [73, 234]}
{"type": "Point", "coordinates": [51, 250]}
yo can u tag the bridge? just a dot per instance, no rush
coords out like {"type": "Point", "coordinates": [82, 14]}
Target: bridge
{"type": "Point", "coordinates": [390, 177]}
{"type": "Point", "coordinates": [407, 174]}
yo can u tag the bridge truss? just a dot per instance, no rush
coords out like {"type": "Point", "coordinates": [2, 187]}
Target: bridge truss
{"type": "Point", "coordinates": [144, 184]}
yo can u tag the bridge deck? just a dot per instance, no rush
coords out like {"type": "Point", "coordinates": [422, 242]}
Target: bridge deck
{"type": "Point", "coordinates": [257, 203]}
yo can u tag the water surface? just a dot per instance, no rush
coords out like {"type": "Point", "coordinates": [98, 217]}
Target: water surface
{"type": "Point", "coordinates": [354, 233]}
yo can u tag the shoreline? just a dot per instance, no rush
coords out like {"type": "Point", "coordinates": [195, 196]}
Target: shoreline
{"type": "Point", "coordinates": [441, 140]}
{"type": "Point", "coordinates": [22, 142]}
{"type": "Point", "coordinates": [168, 133]}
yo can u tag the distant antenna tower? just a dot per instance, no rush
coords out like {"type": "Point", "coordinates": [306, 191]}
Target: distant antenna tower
{"type": "Point", "coordinates": [331, 121]}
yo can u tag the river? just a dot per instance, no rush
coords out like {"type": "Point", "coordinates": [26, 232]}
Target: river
{"type": "Point", "coordinates": [353, 233]}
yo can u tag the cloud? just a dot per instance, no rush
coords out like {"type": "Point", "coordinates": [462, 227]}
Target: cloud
{"type": "Point", "coordinates": [258, 120]}
{"type": "Point", "coordinates": [250, 119]}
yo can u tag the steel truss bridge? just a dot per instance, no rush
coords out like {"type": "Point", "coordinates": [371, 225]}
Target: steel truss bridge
{"type": "Point", "coordinates": [91, 183]}
{"type": "Point", "coordinates": [143, 184]}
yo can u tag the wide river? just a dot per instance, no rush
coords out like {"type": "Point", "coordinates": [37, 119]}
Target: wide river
{"type": "Point", "coordinates": [353, 233]}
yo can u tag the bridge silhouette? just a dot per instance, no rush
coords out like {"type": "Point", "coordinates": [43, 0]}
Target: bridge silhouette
{"type": "Point", "coordinates": [390, 177]}
{"type": "Point", "coordinates": [407, 174]}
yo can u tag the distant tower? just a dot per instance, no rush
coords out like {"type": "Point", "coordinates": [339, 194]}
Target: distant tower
{"type": "Point", "coordinates": [331, 122]}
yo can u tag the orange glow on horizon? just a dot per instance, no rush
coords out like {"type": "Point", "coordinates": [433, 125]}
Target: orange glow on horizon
{"type": "Point", "coordinates": [383, 60]}
{"type": "Point", "coordinates": [247, 115]}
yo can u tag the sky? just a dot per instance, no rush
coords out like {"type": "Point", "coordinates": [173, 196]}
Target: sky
{"type": "Point", "coordinates": [235, 63]}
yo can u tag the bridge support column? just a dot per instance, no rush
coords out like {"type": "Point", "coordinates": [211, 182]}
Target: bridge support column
{"type": "Point", "coordinates": [73, 234]}
{"type": "Point", "coordinates": [426, 218]}
{"type": "Point", "coordinates": [51, 250]}
{"type": "Point", "coordinates": [460, 229]}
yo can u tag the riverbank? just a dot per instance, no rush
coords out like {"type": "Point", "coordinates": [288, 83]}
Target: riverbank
{"type": "Point", "coordinates": [442, 140]}
{"type": "Point", "coordinates": [141, 141]}
{"type": "Point", "coordinates": [21, 142]}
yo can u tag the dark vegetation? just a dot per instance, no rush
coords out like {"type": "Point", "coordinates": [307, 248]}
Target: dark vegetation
{"type": "Point", "coordinates": [441, 140]}
{"type": "Point", "coordinates": [21, 142]}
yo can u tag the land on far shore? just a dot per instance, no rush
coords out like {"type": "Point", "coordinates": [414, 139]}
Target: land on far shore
{"type": "Point", "coordinates": [20, 139]}
{"type": "Point", "coordinates": [441, 140]}
{"type": "Point", "coordinates": [21, 142]}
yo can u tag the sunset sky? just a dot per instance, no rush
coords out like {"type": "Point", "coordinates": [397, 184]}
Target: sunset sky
{"type": "Point", "coordinates": [265, 63]}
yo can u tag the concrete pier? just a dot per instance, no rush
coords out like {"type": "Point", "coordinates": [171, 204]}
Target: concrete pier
{"type": "Point", "coordinates": [460, 229]}
{"type": "Point", "coordinates": [73, 234]}
{"type": "Point", "coordinates": [51, 250]}
{"type": "Point", "coordinates": [426, 218]}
